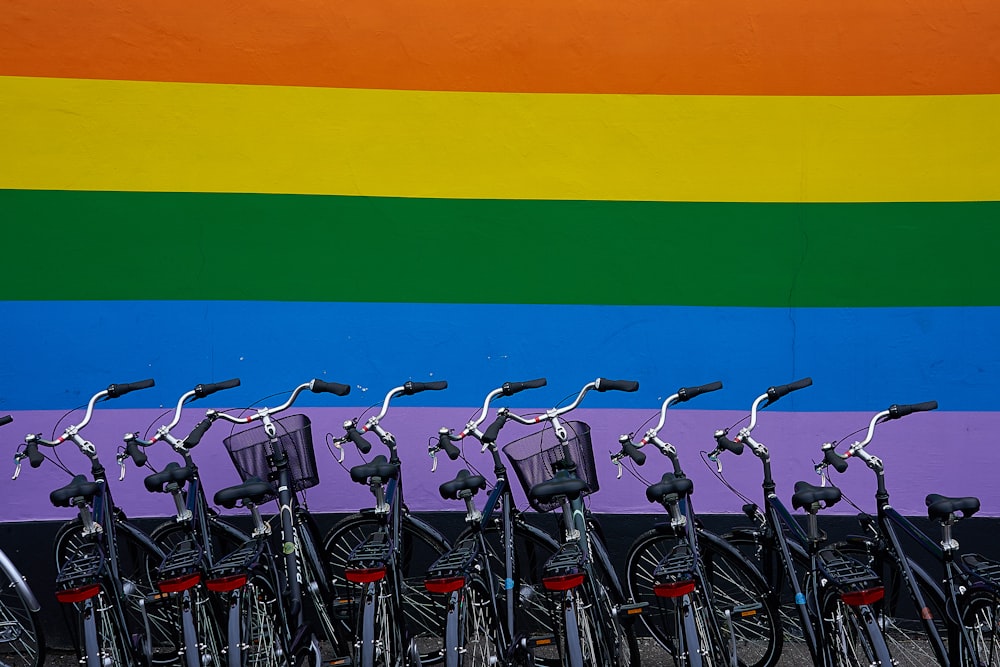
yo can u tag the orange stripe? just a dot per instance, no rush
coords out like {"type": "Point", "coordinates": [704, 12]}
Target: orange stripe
{"type": "Point", "coordinates": [779, 47]}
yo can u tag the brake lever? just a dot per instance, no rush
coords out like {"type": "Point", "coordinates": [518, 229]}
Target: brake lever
{"type": "Point", "coordinates": [18, 457]}
{"type": "Point", "coordinates": [120, 457]}
{"type": "Point", "coordinates": [432, 452]}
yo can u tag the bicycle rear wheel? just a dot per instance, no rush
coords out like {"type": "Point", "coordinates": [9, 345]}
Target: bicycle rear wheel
{"type": "Point", "coordinates": [899, 617]}
{"type": "Point", "coordinates": [420, 549]}
{"type": "Point", "coordinates": [138, 559]}
{"type": "Point", "coordinates": [737, 587]}
{"type": "Point", "coordinates": [22, 642]}
{"type": "Point", "coordinates": [980, 615]}
{"type": "Point", "coordinates": [853, 634]}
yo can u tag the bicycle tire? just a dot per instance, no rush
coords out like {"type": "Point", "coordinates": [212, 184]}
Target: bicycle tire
{"type": "Point", "coordinates": [263, 640]}
{"type": "Point", "coordinates": [853, 634]}
{"type": "Point", "coordinates": [138, 559]}
{"type": "Point", "coordinates": [533, 548]}
{"type": "Point", "coordinates": [737, 585]}
{"type": "Point", "coordinates": [980, 612]}
{"type": "Point", "coordinates": [898, 616]}
{"type": "Point", "coordinates": [471, 634]}
{"type": "Point", "coordinates": [420, 549]}
{"type": "Point", "coordinates": [22, 638]}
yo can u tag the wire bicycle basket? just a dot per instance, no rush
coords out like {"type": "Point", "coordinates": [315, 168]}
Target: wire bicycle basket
{"type": "Point", "coordinates": [534, 458]}
{"type": "Point", "coordinates": [252, 454]}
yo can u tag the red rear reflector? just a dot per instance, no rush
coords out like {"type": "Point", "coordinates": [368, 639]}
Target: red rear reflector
{"type": "Point", "coordinates": [225, 584]}
{"type": "Point", "coordinates": [563, 582]}
{"type": "Point", "coordinates": [365, 575]}
{"type": "Point", "coordinates": [178, 584]}
{"type": "Point", "coordinates": [78, 594]}
{"type": "Point", "coordinates": [444, 584]}
{"type": "Point", "coordinates": [674, 589]}
{"type": "Point", "coordinates": [867, 596]}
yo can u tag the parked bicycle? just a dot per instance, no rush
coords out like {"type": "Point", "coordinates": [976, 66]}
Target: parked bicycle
{"type": "Point", "coordinates": [707, 604]}
{"type": "Point", "coordinates": [371, 557]}
{"type": "Point", "coordinates": [831, 594]}
{"type": "Point", "coordinates": [489, 582]}
{"type": "Point", "coordinates": [107, 566]}
{"type": "Point", "coordinates": [593, 619]}
{"type": "Point", "coordinates": [22, 638]}
{"type": "Point", "coordinates": [267, 590]}
{"type": "Point", "coordinates": [192, 540]}
{"type": "Point", "coordinates": [954, 624]}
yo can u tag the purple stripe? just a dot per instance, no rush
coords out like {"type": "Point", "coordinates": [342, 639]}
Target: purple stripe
{"type": "Point", "coordinates": [932, 452]}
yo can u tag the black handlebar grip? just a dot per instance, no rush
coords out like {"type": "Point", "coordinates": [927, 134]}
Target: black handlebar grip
{"type": "Point", "coordinates": [411, 388]}
{"type": "Point", "coordinates": [334, 388]}
{"type": "Point", "coordinates": [359, 440]}
{"type": "Point", "coordinates": [511, 388]}
{"type": "Point", "coordinates": [6, 419]}
{"type": "Point", "coordinates": [194, 437]}
{"type": "Point", "coordinates": [445, 443]}
{"type": "Point", "coordinates": [133, 449]}
{"type": "Point", "coordinates": [634, 452]}
{"type": "Point", "coordinates": [774, 393]}
{"type": "Point", "coordinates": [116, 390]}
{"type": "Point", "coordinates": [603, 384]}
{"type": "Point", "coordinates": [687, 393]}
{"type": "Point", "coordinates": [493, 431]}
{"type": "Point", "coordinates": [838, 462]}
{"type": "Point", "coordinates": [729, 445]}
{"type": "Point", "coordinates": [203, 390]}
{"type": "Point", "coordinates": [897, 411]}
{"type": "Point", "coordinates": [35, 457]}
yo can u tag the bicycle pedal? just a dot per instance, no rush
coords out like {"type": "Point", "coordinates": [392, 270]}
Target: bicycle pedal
{"type": "Point", "coordinates": [340, 662]}
{"type": "Point", "coordinates": [540, 640]}
{"type": "Point", "coordinates": [631, 610]}
{"type": "Point", "coordinates": [744, 611]}
{"type": "Point", "coordinates": [344, 608]}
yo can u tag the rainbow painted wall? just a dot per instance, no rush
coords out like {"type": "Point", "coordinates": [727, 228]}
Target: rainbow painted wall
{"type": "Point", "coordinates": [374, 192]}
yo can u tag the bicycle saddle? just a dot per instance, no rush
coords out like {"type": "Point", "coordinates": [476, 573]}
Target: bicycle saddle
{"type": "Point", "coordinates": [807, 494]}
{"type": "Point", "coordinates": [156, 482]}
{"type": "Point", "coordinates": [571, 487]}
{"type": "Point", "coordinates": [254, 490]}
{"type": "Point", "coordinates": [80, 487]}
{"type": "Point", "coordinates": [464, 481]}
{"type": "Point", "coordinates": [941, 507]}
{"type": "Point", "coordinates": [377, 467]}
{"type": "Point", "coordinates": [667, 485]}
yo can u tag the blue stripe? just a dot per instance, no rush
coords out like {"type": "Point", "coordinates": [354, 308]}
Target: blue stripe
{"type": "Point", "coordinates": [57, 353]}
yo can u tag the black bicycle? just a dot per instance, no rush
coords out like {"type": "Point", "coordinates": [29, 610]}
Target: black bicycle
{"type": "Point", "coordinates": [276, 596]}
{"type": "Point", "coordinates": [193, 540]}
{"type": "Point", "coordinates": [950, 619]}
{"type": "Point", "coordinates": [377, 558]}
{"type": "Point", "coordinates": [830, 595]}
{"type": "Point", "coordinates": [708, 605]}
{"type": "Point", "coordinates": [22, 639]}
{"type": "Point", "coordinates": [107, 566]}
{"type": "Point", "coordinates": [490, 582]}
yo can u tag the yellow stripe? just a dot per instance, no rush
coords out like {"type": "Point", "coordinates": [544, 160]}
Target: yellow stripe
{"type": "Point", "coordinates": [75, 134]}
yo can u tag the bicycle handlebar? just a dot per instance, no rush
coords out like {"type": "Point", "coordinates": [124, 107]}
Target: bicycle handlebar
{"type": "Point", "coordinates": [445, 438]}
{"type": "Point", "coordinates": [633, 450]}
{"type": "Point", "coordinates": [6, 419]}
{"type": "Point", "coordinates": [839, 462]}
{"type": "Point", "coordinates": [735, 446]}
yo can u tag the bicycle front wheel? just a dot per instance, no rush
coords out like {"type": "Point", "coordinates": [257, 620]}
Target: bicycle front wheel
{"type": "Point", "coordinates": [22, 643]}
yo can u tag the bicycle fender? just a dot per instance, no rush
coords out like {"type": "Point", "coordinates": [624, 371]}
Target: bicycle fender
{"type": "Point", "coordinates": [23, 590]}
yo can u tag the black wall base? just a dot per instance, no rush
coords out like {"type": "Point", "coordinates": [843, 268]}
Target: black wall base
{"type": "Point", "coordinates": [29, 545]}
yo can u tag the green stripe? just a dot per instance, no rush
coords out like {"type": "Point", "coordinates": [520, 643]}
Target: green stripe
{"type": "Point", "coordinates": [109, 245]}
